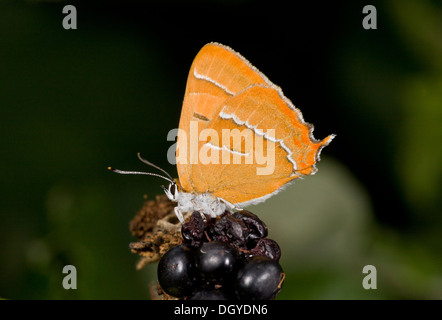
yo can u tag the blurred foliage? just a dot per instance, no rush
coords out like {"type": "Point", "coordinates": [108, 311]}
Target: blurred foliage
{"type": "Point", "coordinates": [73, 102]}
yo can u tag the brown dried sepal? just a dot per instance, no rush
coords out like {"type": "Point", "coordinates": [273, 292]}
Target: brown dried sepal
{"type": "Point", "coordinates": [158, 229]}
{"type": "Point", "coordinates": [147, 217]}
{"type": "Point", "coordinates": [154, 246]}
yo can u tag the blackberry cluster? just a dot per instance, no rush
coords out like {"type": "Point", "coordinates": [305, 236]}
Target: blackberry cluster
{"type": "Point", "coordinates": [228, 257]}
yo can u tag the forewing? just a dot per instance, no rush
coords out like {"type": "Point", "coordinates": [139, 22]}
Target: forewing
{"type": "Point", "coordinates": [217, 74]}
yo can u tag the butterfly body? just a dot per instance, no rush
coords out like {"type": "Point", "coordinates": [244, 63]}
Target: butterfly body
{"type": "Point", "coordinates": [201, 202]}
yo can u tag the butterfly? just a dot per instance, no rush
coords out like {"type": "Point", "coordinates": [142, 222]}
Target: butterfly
{"type": "Point", "coordinates": [267, 143]}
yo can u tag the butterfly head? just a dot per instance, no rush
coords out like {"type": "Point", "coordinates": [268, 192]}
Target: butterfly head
{"type": "Point", "coordinates": [172, 191]}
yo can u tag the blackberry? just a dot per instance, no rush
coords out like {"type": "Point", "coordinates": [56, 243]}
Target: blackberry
{"type": "Point", "coordinates": [177, 272]}
{"type": "Point", "coordinates": [266, 247]}
{"type": "Point", "coordinates": [216, 261]}
{"type": "Point", "coordinates": [228, 257]}
{"type": "Point", "coordinates": [256, 229]}
{"type": "Point", "coordinates": [232, 230]}
{"type": "Point", "coordinates": [259, 279]}
{"type": "Point", "coordinates": [193, 231]}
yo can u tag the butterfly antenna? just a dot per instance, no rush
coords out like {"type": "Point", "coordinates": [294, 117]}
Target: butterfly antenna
{"type": "Point", "coordinates": [139, 173]}
{"type": "Point", "coordinates": [152, 165]}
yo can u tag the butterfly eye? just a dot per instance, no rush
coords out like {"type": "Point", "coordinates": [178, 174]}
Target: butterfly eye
{"type": "Point", "coordinates": [172, 189]}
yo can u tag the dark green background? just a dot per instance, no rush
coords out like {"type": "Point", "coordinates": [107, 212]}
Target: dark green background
{"type": "Point", "coordinates": [73, 102]}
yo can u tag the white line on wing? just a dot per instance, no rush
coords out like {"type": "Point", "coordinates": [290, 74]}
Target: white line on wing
{"type": "Point", "coordinates": [219, 85]}
{"type": "Point", "coordinates": [210, 145]}
{"type": "Point", "coordinates": [224, 115]}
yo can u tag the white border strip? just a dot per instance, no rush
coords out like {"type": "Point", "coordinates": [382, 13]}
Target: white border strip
{"type": "Point", "coordinates": [206, 78]}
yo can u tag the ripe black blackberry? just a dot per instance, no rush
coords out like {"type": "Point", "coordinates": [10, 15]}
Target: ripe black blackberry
{"type": "Point", "coordinates": [259, 279]}
{"type": "Point", "coordinates": [216, 261]}
{"type": "Point", "coordinates": [177, 273]}
{"type": "Point", "coordinates": [227, 257]}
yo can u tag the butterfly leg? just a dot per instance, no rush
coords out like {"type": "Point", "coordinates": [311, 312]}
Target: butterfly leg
{"type": "Point", "coordinates": [179, 214]}
{"type": "Point", "coordinates": [230, 206]}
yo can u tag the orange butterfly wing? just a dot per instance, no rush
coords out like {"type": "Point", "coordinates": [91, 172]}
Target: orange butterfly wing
{"type": "Point", "coordinates": [217, 73]}
{"type": "Point", "coordinates": [224, 91]}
